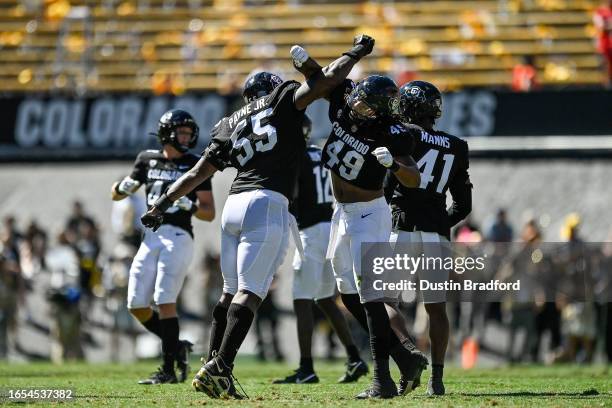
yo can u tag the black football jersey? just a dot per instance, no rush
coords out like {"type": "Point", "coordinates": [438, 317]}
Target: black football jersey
{"type": "Point", "coordinates": [314, 197]}
{"type": "Point", "coordinates": [263, 140]}
{"type": "Point", "coordinates": [443, 162]}
{"type": "Point", "coordinates": [157, 173]}
{"type": "Point", "coordinates": [348, 150]}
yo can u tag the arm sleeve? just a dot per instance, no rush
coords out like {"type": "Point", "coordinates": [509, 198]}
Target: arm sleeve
{"type": "Point", "coordinates": [139, 172]}
{"type": "Point", "coordinates": [217, 151]}
{"type": "Point", "coordinates": [461, 191]}
{"type": "Point", "coordinates": [402, 141]}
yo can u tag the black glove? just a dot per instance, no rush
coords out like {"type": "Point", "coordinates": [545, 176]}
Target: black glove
{"type": "Point", "coordinates": [152, 220]}
{"type": "Point", "coordinates": [362, 46]}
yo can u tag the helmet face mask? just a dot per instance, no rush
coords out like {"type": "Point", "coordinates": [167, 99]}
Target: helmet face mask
{"type": "Point", "coordinates": [168, 125]}
{"type": "Point", "coordinates": [259, 85]}
{"type": "Point", "coordinates": [374, 98]}
{"type": "Point", "coordinates": [420, 102]}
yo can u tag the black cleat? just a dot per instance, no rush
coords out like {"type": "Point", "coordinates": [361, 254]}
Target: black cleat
{"type": "Point", "coordinates": [299, 377]}
{"type": "Point", "coordinates": [215, 379]}
{"type": "Point", "coordinates": [159, 377]}
{"type": "Point", "coordinates": [435, 387]}
{"type": "Point", "coordinates": [354, 371]}
{"type": "Point", "coordinates": [379, 391]}
{"type": "Point", "coordinates": [182, 359]}
{"type": "Point", "coordinates": [411, 368]}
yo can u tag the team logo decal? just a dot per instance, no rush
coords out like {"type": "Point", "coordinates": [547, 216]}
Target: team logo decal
{"type": "Point", "coordinates": [339, 114]}
{"type": "Point", "coordinates": [417, 92]}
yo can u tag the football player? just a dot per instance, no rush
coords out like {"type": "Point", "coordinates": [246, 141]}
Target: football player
{"type": "Point", "coordinates": [160, 265]}
{"type": "Point", "coordinates": [366, 140]}
{"type": "Point", "coordinates": [420, 215]}
{"type": "Point", "coordinates": [313, 279]}
{"type": "Point", "coordinates": [263, 141]}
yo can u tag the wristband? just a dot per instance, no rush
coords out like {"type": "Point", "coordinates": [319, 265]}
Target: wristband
{"type": "Point", "coordinates": [162, 203]}
{"type": "Point", "coordinates": [351, 53]}
{"type": "Point", "coordinates": [394, 167]}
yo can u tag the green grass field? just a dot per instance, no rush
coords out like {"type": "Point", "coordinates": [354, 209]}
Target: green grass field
{"type": "Point", "coordinates": [102, 385]}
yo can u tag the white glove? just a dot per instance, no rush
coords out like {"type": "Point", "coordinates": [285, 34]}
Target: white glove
{"type": "Point", "coordinates": [128, 186]}
{"type": "Point", "coordinates": [184, 203]}
{"type": "Point", "coordinates": [383, 155]}
{"type": "Point", "coordinates": [299, 55]}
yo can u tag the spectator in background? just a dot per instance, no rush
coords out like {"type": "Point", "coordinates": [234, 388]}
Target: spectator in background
{"type": "Point", "coordinates": [603, 24]}
{"type": "Point", "coordinates": [577, 307]}
{"type": "Point", "coordinates": [10, 238]}
{"type": "Point", "coordinates": [11, 295]}
{"type": "Point", "coordinates": [524, 75]}
{"type": "Point", "coordinates": [64, 295]}
{"type": "Point", "coordinates": [500, 230]}
{"type": "Point", "coordinates": [77, 217]}
{"type": "Point", "coordinates": [32, 251]}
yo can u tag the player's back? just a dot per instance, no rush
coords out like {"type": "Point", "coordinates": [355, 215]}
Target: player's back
{"type": "Point", "coordinates": [263, 141]}
{"type": "Point", "coordinates": [313, 203]}
{"type": "Point", "coordinates": [442, 160]}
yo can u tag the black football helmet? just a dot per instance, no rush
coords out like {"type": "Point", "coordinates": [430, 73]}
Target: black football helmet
{"type": "Point", "coordinates": [306, 127]}
{"type": "Point", "coordinates": [373, 98]}
{"type": "Point", "coordinates": [169, 122]}
{"type": "Point", "coordinates": [420, 101]}
{"type": "Point", "coordinates": [260, 84]}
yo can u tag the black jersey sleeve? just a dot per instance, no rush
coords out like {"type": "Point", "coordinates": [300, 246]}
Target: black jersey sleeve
{"type": "Point", "coordinates": [217, 151]}
{"type": "Point", "coordinates": [460, 188]}
{"type": "Point", "coordinates": [139, 172]}
{"type": "Point", "coordinates": [337, 97]}
{"type": "Point", "coordinates": [401, 140]}
{"type": "Point", "coordinates": [281, 99]}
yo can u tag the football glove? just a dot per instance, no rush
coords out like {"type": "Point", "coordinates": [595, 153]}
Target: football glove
{"type": "Point", "coordinates": [184, 204]}
{"type": "Point", "coordinates": [299, 55]}
{"type": "Point", "coordinates": [152, 219]}
{"type": "Point", "coordinates": [128, 186]}
{"type": "Point", "coordinates": [362, 46]}
{"type": "Point", "coordinates": [384, 157]}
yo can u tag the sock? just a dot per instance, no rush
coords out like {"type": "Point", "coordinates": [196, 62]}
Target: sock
{"type": "Point", "coordinates": [239, 319]}
{"type": "Point", "coordinates": [353, 353]}
{"type": "Point", "coordinates": [354, 306]}
{"type": "Point", "coordinates": [437, 370]}
{"type": "Point", "coordinates": [306, 364]}
{"type": "Point", "coordinates": [380, 334]}
{"type": "Point", "coordinates": [217, 329]}
{"type": "Point", "coordinates": [170, 338]}
{"type": "Point", "coordinates": [153, 325]}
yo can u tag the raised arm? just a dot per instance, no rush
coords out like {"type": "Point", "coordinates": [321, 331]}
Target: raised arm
{"type": "Point", "coordinates": [321, 81]}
